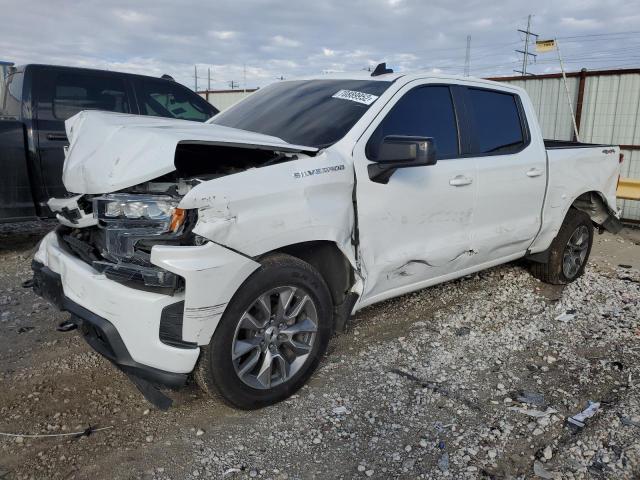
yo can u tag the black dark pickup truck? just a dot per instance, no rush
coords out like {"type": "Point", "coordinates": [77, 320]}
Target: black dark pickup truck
{"type": "Point", "coordinates": [35, 102]}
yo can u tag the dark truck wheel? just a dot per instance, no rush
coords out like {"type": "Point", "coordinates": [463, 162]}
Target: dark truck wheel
{"type": "Point", "coordinates": [569, 251]}
{"type": "Point", "coordinates": [271, 337]}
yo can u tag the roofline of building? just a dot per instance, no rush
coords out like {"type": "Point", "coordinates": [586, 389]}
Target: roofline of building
{"type": "Point", "coordinates": [235, 90]}
{"type": "Point", "coordinates": [584, 71]}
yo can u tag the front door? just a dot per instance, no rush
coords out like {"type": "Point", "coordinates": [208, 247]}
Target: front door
{"type": "Point", "coordinates": [417, 227]}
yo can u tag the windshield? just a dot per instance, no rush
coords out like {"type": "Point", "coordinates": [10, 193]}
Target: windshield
{"type": "Point", "coordinates": [315, 113]}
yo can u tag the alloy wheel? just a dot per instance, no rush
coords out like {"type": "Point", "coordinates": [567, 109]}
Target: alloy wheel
{"type": "Point", "coordinates": [575, 251]}
{"type": "Point", "coordinates": [274, 337]}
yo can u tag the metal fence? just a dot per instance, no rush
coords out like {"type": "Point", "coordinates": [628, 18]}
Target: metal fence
{"type": "Point", "coordinates": [607, 108]}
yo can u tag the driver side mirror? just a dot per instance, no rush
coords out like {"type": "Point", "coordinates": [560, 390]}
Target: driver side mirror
{"type": "Point", "coordinates": [398, 151]}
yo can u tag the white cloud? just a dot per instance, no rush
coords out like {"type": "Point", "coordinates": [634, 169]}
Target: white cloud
{"type": "Point", "coordinates": [482, 22]}
{"type": "Point", "coordinates": [327, 52]}
{"type": "Point", "coordinates": [280, 41]}
{"type": "Point", "coordinates": [223, 35]}
{"type": "Point", "coordinates": [581, 23]}
{"type": "Point", "coordinates": [131, 16]}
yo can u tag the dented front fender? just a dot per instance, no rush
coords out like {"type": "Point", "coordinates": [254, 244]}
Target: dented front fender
{"type": "Point", "coordinates": [263, 209]}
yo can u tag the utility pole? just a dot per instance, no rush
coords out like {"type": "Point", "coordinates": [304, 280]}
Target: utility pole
{"type": "Point", "coordinates": [467, 58]}
{"type": "Point", "coordinates": [525, 53]}
{"type": "Point", "coordinates": [195, 76]}
{"type": "Point", "coordinates": [233, 84]}
{"type": "Point", "coordinates": [244, 77]}
{"type": "Point", "coordinates": [208, 79]}
{"type": "Point", "coordinates": [566, 89]}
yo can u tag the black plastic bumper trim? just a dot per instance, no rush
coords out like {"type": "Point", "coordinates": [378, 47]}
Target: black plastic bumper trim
{"type": "Point", "coordinates": [171, 320]}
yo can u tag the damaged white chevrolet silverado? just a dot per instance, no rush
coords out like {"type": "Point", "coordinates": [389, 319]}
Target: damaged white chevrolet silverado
{"type": "Point", "coordinates": [232, 250]}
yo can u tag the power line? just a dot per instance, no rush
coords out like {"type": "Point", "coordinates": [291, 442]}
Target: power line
{"type": "Point", "coordinates": [600, 34]}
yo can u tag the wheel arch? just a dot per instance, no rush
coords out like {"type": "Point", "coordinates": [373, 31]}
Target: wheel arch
{"type": "Point", "coordinates": [594, 204]}
{"type": "Point", "coordinates": [334, 267]}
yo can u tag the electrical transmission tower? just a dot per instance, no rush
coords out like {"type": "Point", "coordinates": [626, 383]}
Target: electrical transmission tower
{"type": "Point", "coordinates": [525, 53]}
{"type": "Point", "coordinates": [467, 58]}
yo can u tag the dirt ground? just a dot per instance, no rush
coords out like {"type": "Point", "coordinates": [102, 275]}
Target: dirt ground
{"type": "Point", "coordinates": [475, 378]}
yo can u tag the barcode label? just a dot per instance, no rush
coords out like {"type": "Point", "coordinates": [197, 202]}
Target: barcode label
{"type": "Point", "coordinates": [360, 97]}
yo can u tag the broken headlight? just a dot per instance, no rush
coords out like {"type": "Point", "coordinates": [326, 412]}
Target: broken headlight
{"type": "Point", "coordinates": [131, 224]}
{"type": "Point", "coordinates": [155, 211]}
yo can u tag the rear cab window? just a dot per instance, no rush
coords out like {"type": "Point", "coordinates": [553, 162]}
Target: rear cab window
{"type": "Point", "coordinates": [12, 96]}
{"type": "Point", "coordinates": [75, 92]}
{"type": "Point", "coordinates": [498, 123]}
{"type": "Point", "coordinates": [168, 99]}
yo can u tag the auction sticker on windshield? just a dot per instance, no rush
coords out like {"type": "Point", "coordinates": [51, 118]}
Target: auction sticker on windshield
{"type": "Point", "coordinates": [360, 97]}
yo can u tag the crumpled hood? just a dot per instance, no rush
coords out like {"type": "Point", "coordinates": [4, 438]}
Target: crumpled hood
{"type": "Point", "coordinates": [111, 151]}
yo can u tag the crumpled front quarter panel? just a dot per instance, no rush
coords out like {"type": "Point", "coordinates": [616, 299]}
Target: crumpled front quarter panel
{"type": "Point", "coordinates": [262, 209]}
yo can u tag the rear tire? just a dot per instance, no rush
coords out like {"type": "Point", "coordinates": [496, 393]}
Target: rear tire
{"type": "Point", "coordinates": [569, 251]}
{"type": "Point", "coordinates": [271, 337]}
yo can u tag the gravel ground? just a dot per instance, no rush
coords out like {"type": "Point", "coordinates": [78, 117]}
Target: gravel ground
{"type": "Point", "coordinates": [475, 378]}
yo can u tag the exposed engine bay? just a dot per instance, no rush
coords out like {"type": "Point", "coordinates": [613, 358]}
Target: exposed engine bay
{"type": "Point", "coordinates": [114, 232]}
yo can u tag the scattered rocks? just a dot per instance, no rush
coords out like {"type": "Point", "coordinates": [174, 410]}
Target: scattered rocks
{"type": "Point", "coordinates": [492, 375]}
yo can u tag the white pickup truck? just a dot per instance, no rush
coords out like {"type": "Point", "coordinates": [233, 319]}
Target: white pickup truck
{"type": "Point", "coordinates": [232, 250]}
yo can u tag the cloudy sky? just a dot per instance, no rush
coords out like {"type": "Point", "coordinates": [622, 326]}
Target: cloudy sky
{"type": "Point", "coordinates": [269, 39]}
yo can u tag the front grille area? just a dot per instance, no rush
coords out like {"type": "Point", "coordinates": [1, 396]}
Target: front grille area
{"type": "Point", "coordinates": [136, 271]}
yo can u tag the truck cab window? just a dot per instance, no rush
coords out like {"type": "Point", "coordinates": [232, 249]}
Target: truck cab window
{"type": "Point", "coordinates": [168, 99]}
{"type": "Point", "coordinates": [74, 93]}
{"type": "Point", "coordinates": [12, 98]}
{"type": "Point", "coordinates": [496, 122]}
{"type": "Point", "coordinates": [426, 112]}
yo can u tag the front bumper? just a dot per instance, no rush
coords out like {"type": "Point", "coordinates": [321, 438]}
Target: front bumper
{"type": "Point", "coordinates": [123, 323]}
{"type": "Point", "coordinates": [99, 333]}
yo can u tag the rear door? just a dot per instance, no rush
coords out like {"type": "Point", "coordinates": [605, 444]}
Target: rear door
{"type": "Point", "coordinates": [60, 94]}
{"type": "Point", "coordinates": [511, 174]}
{"type": "Point", "coordinates": [416, 227]}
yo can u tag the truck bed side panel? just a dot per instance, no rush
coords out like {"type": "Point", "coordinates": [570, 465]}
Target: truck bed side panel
{"type": "Point", "coordinates": [16, 202]}
{"type": "Point", "coordinates": [572, 172]}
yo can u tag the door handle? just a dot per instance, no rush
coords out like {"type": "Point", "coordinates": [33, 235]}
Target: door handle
{"type": "Point", "coordinates": [57, 137]}
{"type": "Point", "coordinates": [534, 172]}
{"type": "Point", "coordinates": [460, 180]}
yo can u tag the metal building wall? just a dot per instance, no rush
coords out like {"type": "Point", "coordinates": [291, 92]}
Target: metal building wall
{"type": "Point", "coordinates": [223, 99]}
{"type": "Point", "coordinates": [608, 112]}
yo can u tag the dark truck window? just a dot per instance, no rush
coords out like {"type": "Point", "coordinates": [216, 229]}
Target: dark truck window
{"type": "Point", "coordinates": [74, 93]}
{"type": "Point", "coordinates": [12, 99]}
{"type": "Point", "coordinates": [168, 99]}
{"type": "Point", "coordinates": [314, 113]}
{"type": "Point", "coordinates": [496, 122]}
{"type": "Point", "coordinates": [424, 112]}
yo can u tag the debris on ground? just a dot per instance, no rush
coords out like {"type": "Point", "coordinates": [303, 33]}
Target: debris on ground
{"type": "Point", "coordinates": [579, 419]}
{"type": "Point", "coordinates": [531, 398]}
{"type": "Point", "coordinates": [566, 316]}
{"type": "Point", "coordinates": [629, 422]}
{"type": "Point", "coordinates": [534, 413]}
{"type": "Point", "coordinates": [540, 471]}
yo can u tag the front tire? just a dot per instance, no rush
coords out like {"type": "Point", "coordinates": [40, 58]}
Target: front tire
{"type": "Point", "coordinates": [569, 251]}
{"type": "Point", "coordinates": [271, 337]}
